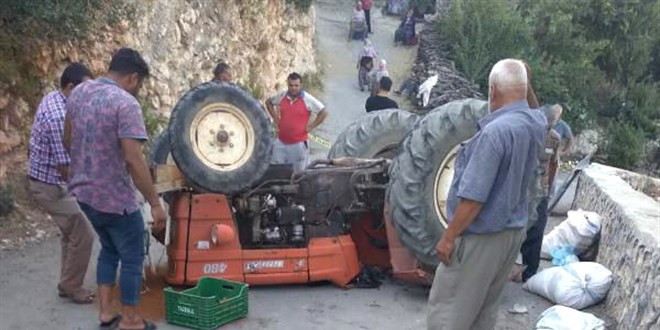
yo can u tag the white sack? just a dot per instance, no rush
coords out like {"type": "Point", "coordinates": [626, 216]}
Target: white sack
{"type": "Point", "coordinates": [578, 231]}
{"type": "Point", "coordinates": [577, 285]}
{"type": "Point", "coordinates": [564, 318]}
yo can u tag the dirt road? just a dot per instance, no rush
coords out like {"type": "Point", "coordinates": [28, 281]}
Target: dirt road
{"type": "Point", "coordinates": [341, 94]}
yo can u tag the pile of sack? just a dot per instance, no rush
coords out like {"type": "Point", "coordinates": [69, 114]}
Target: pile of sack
{"type": "Point", "coordinates": [578, 233]}
{"type": "Point", "coordinates": [573, 284]}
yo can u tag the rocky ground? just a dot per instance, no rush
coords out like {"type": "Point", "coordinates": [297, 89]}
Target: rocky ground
{"type": "Point", "coordinates": [27, 225]}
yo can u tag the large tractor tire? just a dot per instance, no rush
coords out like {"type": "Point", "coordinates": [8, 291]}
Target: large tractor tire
{"type": "Point", "coordinates": [378, 134]}
{"type": "Point", "coordinates": [159, 153]}
{"type": "Point", "coordinates": [220, 138]}
{"type": "Point", "coordinates": [421, 174]}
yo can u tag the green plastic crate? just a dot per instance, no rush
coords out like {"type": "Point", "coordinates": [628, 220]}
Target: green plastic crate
{"type": "Point", "coordinates": [210, 304]}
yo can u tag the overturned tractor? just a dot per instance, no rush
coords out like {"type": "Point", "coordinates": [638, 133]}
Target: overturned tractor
{"type": "Point", "coordinates": [378, 200]}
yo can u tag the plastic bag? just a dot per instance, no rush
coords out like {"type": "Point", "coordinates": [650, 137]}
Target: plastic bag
{"type": "Point", "coordinates": [578, 231]}
{"type": "Point", "coordinates": [577, 285]}
{"type": "Point", "coordinates": [563, 256]}
{"type": "Point", "coordinates": [564, 318]}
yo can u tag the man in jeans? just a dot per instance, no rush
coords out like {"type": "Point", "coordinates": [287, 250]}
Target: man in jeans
{"type": "Point", "coordinates": [104, 132]}
{"type": "Point", "coordinates": [47, 170]}
{"type": "Point", "coordinates": [487, 205]}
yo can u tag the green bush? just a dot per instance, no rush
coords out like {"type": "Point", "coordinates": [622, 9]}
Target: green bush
{"type": "Point", "coordinates": [7, 200]}
{"type": "Point", "coordinates": [26, 24]}
{"type": "Point", "coordinates": [625, 145]}
{"type": "Point", "coordinates": [480, 33]}
{"type": "Point", "coordinates": [598, 58]}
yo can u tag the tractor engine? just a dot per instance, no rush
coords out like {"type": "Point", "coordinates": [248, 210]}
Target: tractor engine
{"type": "Point", "coordinates": [275, 222]}
{"type": "Point", "coordinates": [287, 209]}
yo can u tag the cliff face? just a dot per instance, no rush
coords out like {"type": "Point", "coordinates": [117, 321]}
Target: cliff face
{"type": "Point", "coordinates": [182, 41]}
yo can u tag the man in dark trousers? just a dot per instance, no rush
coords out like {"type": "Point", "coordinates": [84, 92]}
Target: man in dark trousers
{"type": "Point", "coordinates": [380, 101]}
{"type": "Point", "coordinates": [539, 196]}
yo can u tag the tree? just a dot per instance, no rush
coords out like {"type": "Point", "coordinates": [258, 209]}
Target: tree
{"type": "Point", "coordinates": [481, 32]}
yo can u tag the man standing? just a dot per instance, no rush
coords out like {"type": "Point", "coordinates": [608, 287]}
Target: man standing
{"type": "Point", "coordinates": [48, 170]}
{"type": "Point", "coordinates": [104, 132]}
{"type": "Point", "coordinates": [564, 131]}
{"type": "Point", "coordinates": [292, 118]}
{"type": "Point", "coordinates": [222, 72]}
{"type": "Point", "coordinates": [539, 192]}
{"type": "Point", "coordinates": [487, 205]}
{"type": "Point", "coordinates": [366, 6]}
{"type": "Point", "coordinates": [381, 100]}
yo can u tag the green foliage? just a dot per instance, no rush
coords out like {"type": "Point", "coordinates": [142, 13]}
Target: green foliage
{"type": "Point", "coordinates": [302, 5]}
{"type": "Point", "coordinates": [625, 145]}
{"type": "Point", "coordinates": [600, 59]}
{"type": "Point", "coordinates": [27, 24]}
{"type": "Point", "coordinates": [7, 200]}
{"type": "Point", "coordinates": [153, 121]}
{"type": "Point", "coordinates": [481, 32]}
{"type": "Point", "coordinates": [61, 19]}
{"type": "Point", "coordinates": [423, 6]}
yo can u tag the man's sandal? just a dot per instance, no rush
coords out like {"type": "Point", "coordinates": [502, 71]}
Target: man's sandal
{"type": "Point", "coordinates": [110, 325]}
{"type": "Point", "coordinates": [80, 297]}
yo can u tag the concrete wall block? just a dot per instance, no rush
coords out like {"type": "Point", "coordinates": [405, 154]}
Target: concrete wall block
{"type": "Point", "coordinates": [629, 244]}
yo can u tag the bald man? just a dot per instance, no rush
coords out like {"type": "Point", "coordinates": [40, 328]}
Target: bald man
{"type": "Point", "coordinates": [487, 205]}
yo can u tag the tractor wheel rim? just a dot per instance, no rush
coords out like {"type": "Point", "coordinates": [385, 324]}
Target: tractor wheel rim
{"type": "Point", "coordinates": [222, 136]}
{"type": "Point", "coordinates": [443, 179]}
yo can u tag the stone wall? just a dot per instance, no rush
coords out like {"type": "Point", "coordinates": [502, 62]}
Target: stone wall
{"type": "Point", "coordinates": [182, 41]}
{"type": "Point", "coordinates": [630, 242]}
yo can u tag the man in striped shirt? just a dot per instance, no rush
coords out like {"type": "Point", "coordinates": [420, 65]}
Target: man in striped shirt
{"type": "Point", "coordinates": [48, 167]}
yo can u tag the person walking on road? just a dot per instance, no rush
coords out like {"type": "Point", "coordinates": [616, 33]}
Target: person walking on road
{"type": "Point", "coordinates": [377, 75]}
{"type": "Point", "coordinates": [104, 133]}
{"type": "Point", "coordinates": [358, 26]}
{"type": "Point", "coordinates": [365, 64]}
{"type": "Point", "coordinates": [48, 168]}
{"type": "Point", "coordinates": [291, 111]}
{"type": "Point", "coordinates": [487, 205]}
{"type": "Point", "coordinates": [381, 100]}
{"type": "Point", "coordinates": [366, 6]}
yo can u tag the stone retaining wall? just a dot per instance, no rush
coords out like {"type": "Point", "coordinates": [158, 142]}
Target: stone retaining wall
{"type": "Point", "coordinates": [630, 242]}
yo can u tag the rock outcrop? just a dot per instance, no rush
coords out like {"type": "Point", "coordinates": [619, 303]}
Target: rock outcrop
{"type": "Point", "coordinates": [182, 41]}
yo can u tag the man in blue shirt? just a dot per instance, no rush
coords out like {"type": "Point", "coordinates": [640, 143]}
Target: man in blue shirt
{"type": "Point", "coordinates": [487, 205]}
